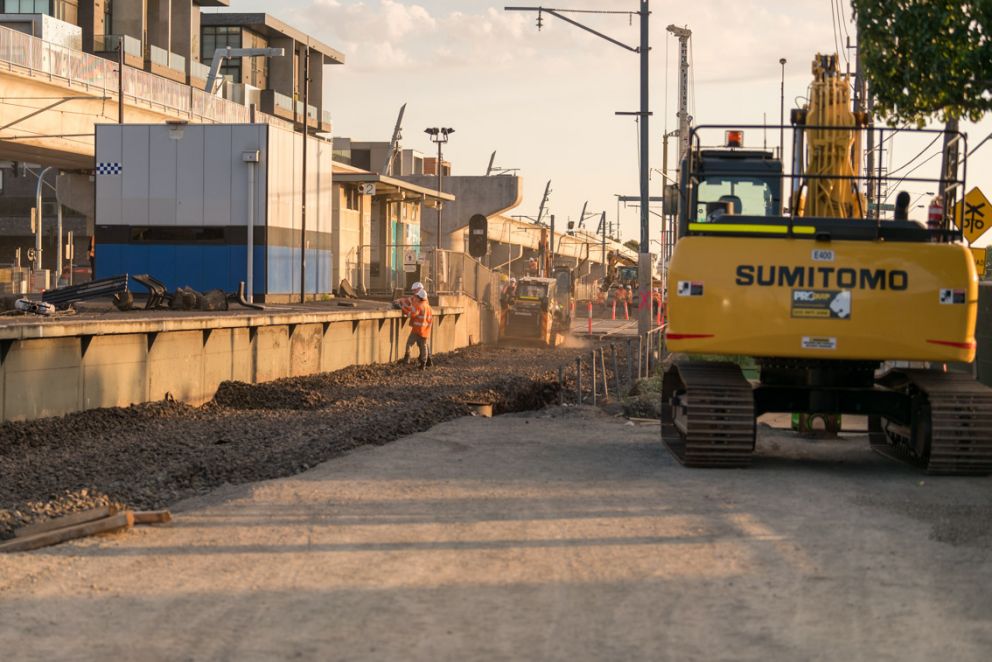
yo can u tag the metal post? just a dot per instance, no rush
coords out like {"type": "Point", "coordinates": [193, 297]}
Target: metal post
{"type": "Point", "coordinates": [58, 232]}
{"type": "Point", "coordinates": [120, 80]}
{"type": "Point", "coordinates": [70, 253]}
{"type": "Point", "coordinates": [644, 260]}
{"type": "Point", "coordinates": [593, 366]}
{"type": "Point", "coordinates": [602, 365]}
{"type": "Point", "coordinates": [250, 243]}
{"type": "Point", "coordinates": [38, 217]}
{"type": "Point", "coordinates": [306, 133]}
{"type": "Point", "coordinates": [616, 369]}
{"type": "Point", "coordinates": [561, 385]}
{"type": "Point", "coordinates": [578, 380]}
{"type": "Point", "coordinates": [437, 241]}
{"type": "Point", "coordinates": [781, 128]}
{"type": "Point", "coordinates": [630, 365]}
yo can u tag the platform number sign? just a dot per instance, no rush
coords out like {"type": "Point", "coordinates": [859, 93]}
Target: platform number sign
{"type": "Point", "coordinates": [973, 215]}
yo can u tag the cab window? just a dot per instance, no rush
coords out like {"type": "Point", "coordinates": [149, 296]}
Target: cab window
{"type": "Point", "coordinates": [745, 196]}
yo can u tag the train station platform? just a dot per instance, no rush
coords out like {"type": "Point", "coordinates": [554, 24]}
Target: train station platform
{"type": "Point", "coordinates": [98, 358]}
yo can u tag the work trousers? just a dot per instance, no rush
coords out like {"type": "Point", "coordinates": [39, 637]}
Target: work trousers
{"type": "Point", "coordinates": [422, 348]}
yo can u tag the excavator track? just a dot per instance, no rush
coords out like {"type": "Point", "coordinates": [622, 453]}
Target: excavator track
{"type": "Point", "coordinates": [951, 429]}
{"type": "Point", "coordinates": [707, 414]}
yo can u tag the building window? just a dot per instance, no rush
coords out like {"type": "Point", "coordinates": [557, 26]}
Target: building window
{"type": "Point", "coordinates": [351, 198]}
{"type": "Point", "coordinates": [257, 67]}
{"type": "Point", "coordinates": [213, 37]}
{"type": "Point", "coordinates": [26, 7]}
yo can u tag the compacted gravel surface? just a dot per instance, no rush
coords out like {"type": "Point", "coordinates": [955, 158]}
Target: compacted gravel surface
{"type": "Point", "coordinates": [148, 456]}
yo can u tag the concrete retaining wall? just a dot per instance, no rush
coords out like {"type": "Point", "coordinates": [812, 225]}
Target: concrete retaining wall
{"type": "Point", "coordinates": [52, 370]}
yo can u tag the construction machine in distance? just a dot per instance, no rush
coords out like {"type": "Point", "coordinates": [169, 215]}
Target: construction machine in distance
{"type": "Point", "coordinates": [534, 316]}
{"type": "Point", "coordinates": [825, 299]}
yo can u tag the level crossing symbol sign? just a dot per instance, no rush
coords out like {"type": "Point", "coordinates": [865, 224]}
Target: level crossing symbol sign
{"type": "Point", "coordinates": [976, 217]}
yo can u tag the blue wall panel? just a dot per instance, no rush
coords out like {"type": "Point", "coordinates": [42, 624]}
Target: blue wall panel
{"type": "Point", "coordinates": [202, 267]}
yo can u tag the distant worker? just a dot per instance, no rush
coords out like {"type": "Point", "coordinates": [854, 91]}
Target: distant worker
{"type": "Point", "coordinates": [532, 267]}
{"type": "Point", "coordinates": [508, 294]}
{"type": "Point", "coordinates": [421, 320]}
{"type": "Point", "coordinates": [406, 303]}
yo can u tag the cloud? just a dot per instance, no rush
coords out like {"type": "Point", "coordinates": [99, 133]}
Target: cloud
{"type": "Point", "coordinates": [383, 35]}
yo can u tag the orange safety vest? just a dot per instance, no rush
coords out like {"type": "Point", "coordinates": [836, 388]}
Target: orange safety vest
{"type": "Point", "coordinates": [421, 318]}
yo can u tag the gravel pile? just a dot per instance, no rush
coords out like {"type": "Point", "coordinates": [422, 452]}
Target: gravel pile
{"type": "Point", "coordinates": [149, 456]}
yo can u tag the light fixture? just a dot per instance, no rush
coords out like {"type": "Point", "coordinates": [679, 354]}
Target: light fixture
{"type": "Point", "coordinates": [176, 129]}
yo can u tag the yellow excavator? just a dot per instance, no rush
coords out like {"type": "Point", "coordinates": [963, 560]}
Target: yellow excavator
{"type": "Point", "coordinates": [827, 298]}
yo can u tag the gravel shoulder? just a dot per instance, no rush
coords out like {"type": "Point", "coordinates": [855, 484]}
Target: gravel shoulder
{"type": "Point", "coordinates": [149, 456]}
{"type": "Point", "coordinates": [562, 534]}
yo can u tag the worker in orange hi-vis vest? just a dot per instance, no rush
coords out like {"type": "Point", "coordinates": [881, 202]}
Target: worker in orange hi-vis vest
{"type": "Point", "coordinates": [406, 303]}
{"type": "Point", "coordinates": [421, 320]}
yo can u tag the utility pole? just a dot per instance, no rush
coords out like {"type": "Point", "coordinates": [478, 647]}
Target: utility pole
{"type": "Point", "coordinates": [120, 80]}
{"type": "Point", "coordinates": [306, 134]}
{"type": "Point", "coordinates": [643, 115]}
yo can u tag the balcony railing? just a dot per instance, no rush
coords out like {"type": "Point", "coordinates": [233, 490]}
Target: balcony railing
{"type": "Point", "coordinates": [21, 50]}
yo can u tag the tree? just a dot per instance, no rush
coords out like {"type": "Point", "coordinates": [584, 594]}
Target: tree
{"type": "Point", "coordinates": [927, 59]}
{"type": "Point", "coordinates": [633, 245]}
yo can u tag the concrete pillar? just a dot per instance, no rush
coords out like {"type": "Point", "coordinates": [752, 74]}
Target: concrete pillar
{"type": "Point", "coordinates": [131, 18]}
{"type": "Point", "coordinates": [91, 20]}
{"type": "Point", "coordinates": [159, 24]}
{"type": "Point", "coordinates": [317, 83]}
{"type": "Point", "coordinates": [186, 29]}
{"type": "Point", "coordinates": [282, 70]}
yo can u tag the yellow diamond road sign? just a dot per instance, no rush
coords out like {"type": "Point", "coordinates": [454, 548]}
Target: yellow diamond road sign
{"type": "Point", "coordinates": [977, 215]}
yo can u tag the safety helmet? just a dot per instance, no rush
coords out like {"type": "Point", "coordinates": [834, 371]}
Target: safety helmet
{"type": "Point", "coordinates": [513, 281]}
{"type": "Point", "coordinates": [422, 294]}
{"type": "Point", "coordinates": [416, 287]}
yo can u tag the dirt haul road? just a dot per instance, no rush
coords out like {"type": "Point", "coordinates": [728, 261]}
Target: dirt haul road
{"type": "Point", "coordinates": [548, 535]}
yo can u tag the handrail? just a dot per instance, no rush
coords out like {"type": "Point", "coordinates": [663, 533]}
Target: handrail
{"type": "Point", "coordinates": [55, 61]}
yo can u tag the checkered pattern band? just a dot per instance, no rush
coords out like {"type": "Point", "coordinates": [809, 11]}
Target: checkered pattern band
{"type": "Point", "coordinates": [109, 168]}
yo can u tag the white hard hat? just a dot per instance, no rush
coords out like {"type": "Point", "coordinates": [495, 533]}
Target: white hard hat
{"type": "Point", "coordinates": [422, 293]}
{"type": "Point", "coordinates": [513, 280]}
{"type": "Point", "coordinates": [416, 286]}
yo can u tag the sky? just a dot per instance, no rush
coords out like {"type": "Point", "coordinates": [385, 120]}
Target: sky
{"type": "Point", "coordinates": [545, 101]}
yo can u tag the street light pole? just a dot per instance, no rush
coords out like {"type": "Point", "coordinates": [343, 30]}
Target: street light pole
{"type": "Point", "coordinates": [644, 257]}
{"type": "Point", "coordinates": [438, 135]}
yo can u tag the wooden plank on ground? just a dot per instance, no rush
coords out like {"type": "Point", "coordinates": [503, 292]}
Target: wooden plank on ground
{"type": "Point", "coordinates": [124, 520]}
{"type": "Point", "coordinates": [72, 519]}
{"type": "Point", "coordinates": [152, 516]}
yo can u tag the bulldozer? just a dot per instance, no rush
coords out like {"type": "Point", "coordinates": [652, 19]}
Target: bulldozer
{"type": "Point", "coordinates": [831, 300]}
{"type": "Point", "coordinates": [534, 316]}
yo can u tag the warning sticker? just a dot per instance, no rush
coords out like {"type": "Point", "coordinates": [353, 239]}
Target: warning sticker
{"type": "Point", "coordinates": [950, 297]}
{"type": "Point", "coordinates": [821, 304]}
{"type": "Point", "coordinates": [690, 288]}
{"type": "Point", "coordinates": [813, 342]}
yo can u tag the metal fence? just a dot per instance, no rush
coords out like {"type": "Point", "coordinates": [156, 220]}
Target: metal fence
{"type": "Point", "coordinates": [75, 67]}
{"type": "Point", "coordinates": [609, 371]}
{"type": "Point", "coordinates": [460, 272]}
